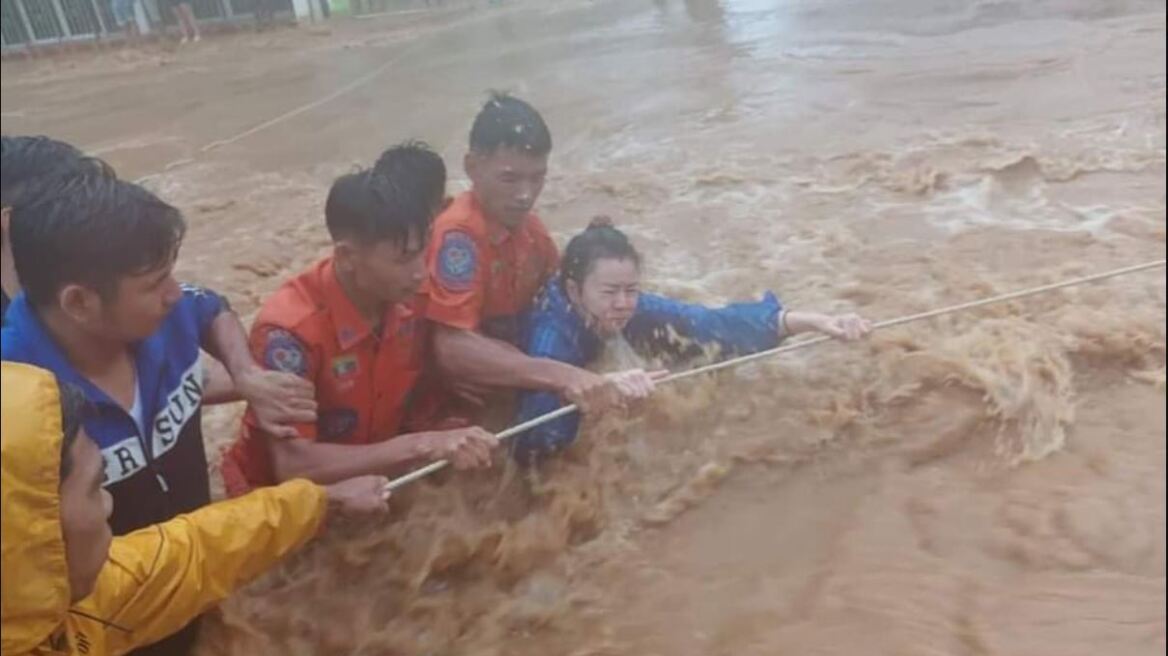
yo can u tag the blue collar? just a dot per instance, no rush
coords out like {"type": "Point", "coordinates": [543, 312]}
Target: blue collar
{"type": "Point", "coordinates": [555, 304]}
{"type": "Point", "coordinates": [40, 347]}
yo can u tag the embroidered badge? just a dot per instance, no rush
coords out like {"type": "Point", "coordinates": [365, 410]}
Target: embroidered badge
{"type": "Point", "coordinates": [344, 367]}
{"type": "Point", "coordinates": [457, 261]}
{"type": "Point", "coordinates": [283, 352]}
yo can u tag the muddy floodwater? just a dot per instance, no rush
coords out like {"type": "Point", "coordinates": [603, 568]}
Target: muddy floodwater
{"type": "Point", "coordinates": [990, 483]}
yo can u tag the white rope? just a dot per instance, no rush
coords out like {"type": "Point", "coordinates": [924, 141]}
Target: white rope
{"type": "Point", "coordinates": [726, 364]}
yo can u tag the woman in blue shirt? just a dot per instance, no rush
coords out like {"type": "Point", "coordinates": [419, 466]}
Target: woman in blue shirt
{"type": "Point", "coordinates": [597, 296]}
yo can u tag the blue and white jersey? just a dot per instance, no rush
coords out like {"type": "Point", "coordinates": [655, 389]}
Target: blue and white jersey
{"type": "Point", "coordinates": [162, 473]}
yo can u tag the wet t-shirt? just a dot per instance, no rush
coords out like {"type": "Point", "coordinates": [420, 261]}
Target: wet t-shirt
{"type": "Point", "coordinates": [155, 466]}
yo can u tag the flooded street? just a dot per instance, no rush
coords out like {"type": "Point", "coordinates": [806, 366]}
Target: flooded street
{"type": "Point", "coordinates": [989, 483]}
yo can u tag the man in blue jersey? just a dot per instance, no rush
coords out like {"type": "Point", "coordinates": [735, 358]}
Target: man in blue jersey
{"type": "Point", "coordinates": [102, 310]}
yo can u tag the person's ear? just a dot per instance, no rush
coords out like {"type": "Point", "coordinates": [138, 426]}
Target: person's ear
{"type": "Point", "coordinates": [344, 254]}
{"type": "Point", "coordinates": [575, 293]}
{"type": "Point", "coordinates": [472, 163]}
{"type": "Point", "coordinates": [81, 304]}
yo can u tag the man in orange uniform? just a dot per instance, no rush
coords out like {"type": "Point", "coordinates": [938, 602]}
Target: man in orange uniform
{"type": "Point", "coordinates": [353, 324]}
{"type": "Point", "coordinates": [488, 257]}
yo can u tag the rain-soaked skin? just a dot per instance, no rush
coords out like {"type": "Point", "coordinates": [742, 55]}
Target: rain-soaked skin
{"type": "Point", "coordinates": [989, 483]}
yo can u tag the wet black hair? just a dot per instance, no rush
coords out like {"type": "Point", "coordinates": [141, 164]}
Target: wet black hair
{"type": "Point", "coordinates": [28, 165]}
{"type": "Point", "coordinates": [75, 409]}
{"type": "Point", "coordinates": [414, 165]}
{"type": "Point", "coordinates": [600, 241]}
{"type": "Point", "coordinates": [92, 230]}
{"type": "Point", "coordinates": [370, 208]}
{"type": "Point", "coordinates": [508, 122]}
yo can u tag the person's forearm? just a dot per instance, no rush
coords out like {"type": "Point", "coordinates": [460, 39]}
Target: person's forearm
{"type": "Point", "coordinates": [794, 323]}
{"type": "Point", "coordinates": [539, 441]}
{"type": "Point", "coordinates": [227, 343]}
{"type": "Point", "coordinates": [217, 385]}
{"type": "Point", "coordinates": [330, 463]}
{"type": "Point", "coordinates": [200, 558]}
{"type": "Point", "coordinates": [477, 359]}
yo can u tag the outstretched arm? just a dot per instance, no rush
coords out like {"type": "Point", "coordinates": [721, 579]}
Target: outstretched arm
{"type": "Point", "coordinates": [161, 577]}
{"type": "Point", "coordinates": [475, 358]}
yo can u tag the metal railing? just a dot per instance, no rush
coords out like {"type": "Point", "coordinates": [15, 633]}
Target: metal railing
{"type": "Point", "coordinates": [40, 22]}
{"type": "Point", "coordinates": [24, 22]}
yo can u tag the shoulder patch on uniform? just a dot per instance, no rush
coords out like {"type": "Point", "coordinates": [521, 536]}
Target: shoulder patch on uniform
{"type": "Point", "coordinates": [457, 261]}
{"type": "Point", "coordinates": [284, 352]}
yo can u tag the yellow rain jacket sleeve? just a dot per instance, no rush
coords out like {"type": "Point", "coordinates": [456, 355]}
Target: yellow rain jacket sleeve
{"type": "Point", "coordinates": [157, 579]}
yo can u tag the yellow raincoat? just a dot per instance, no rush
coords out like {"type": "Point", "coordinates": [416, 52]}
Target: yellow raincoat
{"type": "Point", "coordinates": [156, 579]}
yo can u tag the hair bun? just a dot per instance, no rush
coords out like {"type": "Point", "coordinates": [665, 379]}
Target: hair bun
{"type": "Point", "coordinates": [601, 221]}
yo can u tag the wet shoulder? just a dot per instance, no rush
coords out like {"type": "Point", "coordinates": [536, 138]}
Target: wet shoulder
{"type": "Point", "coordinates": [23, 337]}
{"type": "Point", "coordinates": [550, 303]}
{"type": "Point", "coordinates": [13, 344]}
{"type": "Point", "coordinates": [550, 311]}
{"type": "Point", "coordinates": [298, 305]}
{"type": "Point", "coordinates": [545, 255]}
{"type": "Point", "coordinates": [536, 228]}
{"type": "Point", "coordinates": [461, 214]}
{"type": "Point", "coordinates": [416, 306]}
{"type": "Point", "coordinates": [648, 302]}
{"type": "Point", "coordinates": [653, 313]}
{"type": "Point", "coordinates": [184, 325]}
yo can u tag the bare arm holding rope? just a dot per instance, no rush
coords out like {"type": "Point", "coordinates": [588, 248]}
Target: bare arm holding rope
{"type": "Point", "coordinates": [735, 362]}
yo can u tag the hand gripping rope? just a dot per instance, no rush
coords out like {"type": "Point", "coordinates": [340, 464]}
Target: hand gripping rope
{"type": "Point", "coordinates": [727, 364]}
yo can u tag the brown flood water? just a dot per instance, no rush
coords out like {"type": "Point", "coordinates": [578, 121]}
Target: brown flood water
{"type": "Point", "coordinates": [989, 483]}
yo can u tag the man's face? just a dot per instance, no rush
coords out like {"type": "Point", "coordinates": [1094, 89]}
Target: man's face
{"type": "Point", "coordinates": [85, 512]}
{"type": "Point", "coordinates": [389, 271]}
{"type": "Point", "coordinates": [140, 304]}
{"type": "Point", "coordinates": [507, 182]}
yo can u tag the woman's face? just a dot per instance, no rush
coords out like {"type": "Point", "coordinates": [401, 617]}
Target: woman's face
{"type": "Point", "coordinates": [608, 297]}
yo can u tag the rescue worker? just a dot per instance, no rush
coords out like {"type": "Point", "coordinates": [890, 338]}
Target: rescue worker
{"type": "Point", "coordinates": [101, 309]}
{"type": "Point", "coordinates": [489, 255]}
{"type": "Point", "coordinates": [353, 324]}
{"type": "Point", "coordinates": [72, 588]}
{"type": "Point", "coordinates": [597, 296]}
